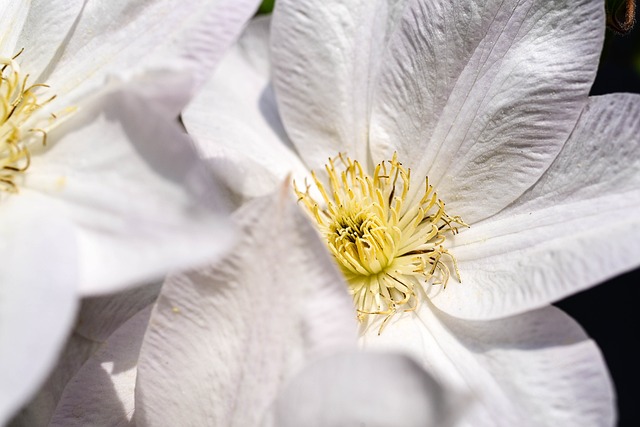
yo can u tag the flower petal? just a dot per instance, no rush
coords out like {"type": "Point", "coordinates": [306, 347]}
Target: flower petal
{"type": "Point", "coordinates": [164, 35]}
{"type": "Point", "coordinates": [101, 393]}
{"type": "Point", "coordinates": [325, 57]}
{"type": "Point", "coordinates": [222, 339]}
{"type": "Point", "coordinates": [217, 119]}
{"type": "Point", "coordinates": [100, 320]}
{"type": "Point", "coordinates": [47, 25]}
{"type": "Point", "coordinates": [481, 95]}
{"type": "Point", "coordinates": [349, 384]}
{"type": "Point", "coordinates": [579, 224]}
{"type": "Point", "coordinates": [135, 190]}
{"type": "Point", "coordinates": [101, 316]}
{"type": "Point", "coordinates": [534, 369]}
{"type": "Point", "coordinates": [12, 17]}
{"type": "Point", "coordinates": [37, 304]}
{"type": "Point", "coordinates": [40, 409]}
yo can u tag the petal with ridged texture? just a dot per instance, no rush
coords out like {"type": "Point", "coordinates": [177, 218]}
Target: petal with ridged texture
{"type": "Point", "coordinates": [217, 119]}
{"type": "Point", "coordinates": [100, 316]}
{"type": "Point", "coordinates": [46, 25]}
{"type": "Point", "coordinates": [325, 57]}
{"type": "Point", "coordinates": [164, 36]}
{"type": "Point", "coordinates": [140, 200]}
{"type": "Point", "coordinates": [481, 95]}
{"type": "Point", "coordinates": [223, 339]}
{"type": "Point", "coordinates": [577, 226]}
{"type": "Point", "coordinates": [102, 391]}
{"type": "Point", "coordinates": [40, 409]}
{"type": "Point", "coordinates": [534, 369]}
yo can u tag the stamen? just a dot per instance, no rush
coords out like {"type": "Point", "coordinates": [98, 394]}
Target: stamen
{"type": "Point", "coordinates": [384, 247]}
{"type": "Point", "coordinates": [18, 102]}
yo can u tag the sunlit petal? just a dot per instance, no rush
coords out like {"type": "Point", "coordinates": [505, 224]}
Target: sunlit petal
{"type": "Point", "coordinates": [224, 338]}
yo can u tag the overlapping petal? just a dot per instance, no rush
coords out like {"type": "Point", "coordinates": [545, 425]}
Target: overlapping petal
{"type": "Point", "coordinates": [150, 35]}
{"type": "Point", "coordinates": [481, 95]}
{"type": "Point", "coordinates": [38, 282]}
{"type": "Point", "coordinates": [326, 55]}
{"type": "Point", "coordinates": [217, 118]}
{"type": "Point", "coordinates": [444, 86]}
{"type": "Point", "coordinates": [101, 393]}
{"type": "Point", "coordinates": [234, 381]}
{"type": "Point", "coordinates": [103, 337]}
{"type": "Point", "coordinates": [109, 165]}
{"type": "Point", "coordinates": [519, 116]}
{"type": "Point", "coordinates": [126, 196]}
{"type": "Point", "coordinates": [40, 27]}
{"type": "Point", "coordinates": [577, 226]}
{"type": "Point", "coordinates": [538, 368]}
{"type": "Point", "coordinates": [101, 316]}
{"type": "Point", "coordinates": [118, 173]}
{"type": "Point", "coordinates": [345, 390]}
{"type": "Point", "coordinates": [240, 328]}
{"type": "Point", "coordinates": [39, 410]}
{"type": "Point", "coordinates": [12, 17]}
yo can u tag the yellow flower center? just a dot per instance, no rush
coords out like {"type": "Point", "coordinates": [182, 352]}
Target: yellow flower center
{"type": "Point", "coordinates": [18, 101]}
{"type": "Point", "coordinates": [387, 249]}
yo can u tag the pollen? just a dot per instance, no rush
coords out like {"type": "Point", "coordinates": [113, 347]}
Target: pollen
{"type": "Point", "coordinates": [18, 102]}
{"type": "Point", "coordinates": [388, 249]}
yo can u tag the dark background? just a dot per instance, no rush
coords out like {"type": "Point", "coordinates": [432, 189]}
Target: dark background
{"type": "Point", "coordinates": [608, 311]}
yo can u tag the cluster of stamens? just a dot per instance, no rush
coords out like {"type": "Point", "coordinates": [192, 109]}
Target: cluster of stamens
{"type": "Point", "coordinates": [18, 101]}
{"type": "Point", "coordinates": [387, 249]}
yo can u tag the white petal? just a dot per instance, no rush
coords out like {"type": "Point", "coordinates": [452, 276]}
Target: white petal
{"type": "Point", "coordinates": [534, 369]}
{"type": "Point", "coordinates": [133, 187]}
{"type": "Point", "coordinates": [99, 317]}
{"type": "Point", "coordinates": [102, 392]}
{"type": "Point", "coordinates": [37, 304]}
{"type": "Point", "coordinates": [481, 95]}
{"type": "Point", "coordinates": [97, 322]}
{"type": "Point", "coordinates": [123, 38]}
{"type": "Point", "coordinates": [358, 389]}
{"type": "Point", "coordinates": [223, 339]}
{"type": "Point", "coordinates": [601, 157]}
{"type": "Point", "coordinates": [45, 29]}
{"type": "Point", "coordinates": [235, 118]}
{"type": "Point", "coordinates": [325, 57]}
{"type": "Point", "coordinates": [40, 409]}
{"type": "Point", "coordinates": [12, 16]}
{"type": "Point", "coordinates": [579, 225]}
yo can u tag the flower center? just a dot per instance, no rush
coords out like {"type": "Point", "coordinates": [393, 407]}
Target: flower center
{"type": "Point", "coordinates": [18, 101]}
{"type": "Point", "coordinates": [387, 249]}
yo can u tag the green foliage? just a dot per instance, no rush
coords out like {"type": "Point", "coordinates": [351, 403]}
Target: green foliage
{"type": "Point", "coordinates": [266, 6]}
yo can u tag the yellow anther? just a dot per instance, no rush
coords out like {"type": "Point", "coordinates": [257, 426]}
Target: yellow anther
{"type": "Point", "coordinates": [18, 102]}
{"type": "Point", "coordinates": [384, 247]}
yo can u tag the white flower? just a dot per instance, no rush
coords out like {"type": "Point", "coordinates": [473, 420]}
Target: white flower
{"type": "Point", "coordinates": [111, 200]}
{"type": "Point", "coordinates": [240, 343]}
{"type": "Point", "coordinates": [489, 100]}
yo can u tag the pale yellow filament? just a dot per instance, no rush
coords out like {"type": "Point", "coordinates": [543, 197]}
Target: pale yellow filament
{"type": "Point", "coordinates": [18, 101]}
{"type": "Point", "coordinates": [384, 247]}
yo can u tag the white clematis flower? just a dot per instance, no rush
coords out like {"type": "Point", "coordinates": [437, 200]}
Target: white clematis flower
{"type": "Point", "coordinates": [488, 99]}
{"type": "Point", "coordinates": [240, 343]}
{"type": "Point", "coordinates": [99, 188]}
